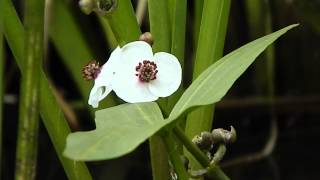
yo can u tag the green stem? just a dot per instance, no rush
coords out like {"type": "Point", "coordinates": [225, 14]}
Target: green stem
{"type": "Point", "coordinates": [159, 158]}
{"type": "Point", "coordinates": [214, 172]}
{"type": "Point", "coordinates": [212, 33]}
{"type": "Point", "coordinates": [173, 151]}
{"type": "Point", "coordinates": [198, 6]}
{"type": "Point", "coordinates": [110, 39]}
{"type": "Point", "coordinates": [51, 114]}
{"type": "Point", "coordinates": [122, 21]}
{"type": "Point", "coordinates": [179, 29]}
{"type": "Point", "coordinates": [28, 127]}
{"type": "Point", "coordinates": [218, 155]}
{"type": "Point", "coordinates": [160, 26]}
{"type": "Point", "coordinates": [178, 42]}
{"type": "Point", "coordinates": [2, 63]}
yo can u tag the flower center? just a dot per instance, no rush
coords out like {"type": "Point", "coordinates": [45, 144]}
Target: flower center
{"type": "Point", "coordinates": [146, 71]}
{"type": "Point", "coordinates": [91, 70]}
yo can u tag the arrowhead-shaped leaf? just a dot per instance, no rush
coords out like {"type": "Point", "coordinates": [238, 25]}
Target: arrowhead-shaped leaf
{"type": "Point", "coordinates": [217, 79]}
{"type": "Point", "coordinates": [120, 130]}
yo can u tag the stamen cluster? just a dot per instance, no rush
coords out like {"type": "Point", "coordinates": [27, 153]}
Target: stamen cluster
{"type": "Point", "coordinates": [146, 71]}
{"type": "Point", "coordinates": [91, 70]}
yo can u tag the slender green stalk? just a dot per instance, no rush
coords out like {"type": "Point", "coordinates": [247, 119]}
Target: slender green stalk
{"type": "Point", "coordinates": [160, 26]}
{"type": "Point", "coordinates": [197, 9]}
{"type": "Point", "coordinates": [214, 172]}
{"type": "Point", "coordinates": [2, 63]}
{"type": "Point", "coordinates": [51, 114]}
{"type": "Point", "coordinates": [179, 29]}
{"type": "Point", "coordinates": [219, 154]}
{"type": "Point", "coordinates": [110, 39]}
{"type": "Point", "coordinates": [160, 29]}
{"type": "Point", "coordinates": [210, 48]}
{"type": "Point", "coordinates": [122, 21]}
{"type": "Point", "coordinates": [270, 57]}
{"type": "Point", "coordinates": [28, 127]}
{"type": "Point", "coordinates": [159, 158]}
{"type": "Point", "coordinates": [178, 41]}
{"type": "Point", "coordinates": [174, 154]}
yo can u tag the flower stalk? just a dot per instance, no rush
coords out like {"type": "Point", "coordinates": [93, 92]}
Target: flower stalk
{"type": "Point", "coordinates": [27, 143]}
{"type": "Point", "coordinates": [174, 154]}
{"type": "Point", "coordinates": [178, 41]}
{"type": "Point", "coordinates": [120, 15]}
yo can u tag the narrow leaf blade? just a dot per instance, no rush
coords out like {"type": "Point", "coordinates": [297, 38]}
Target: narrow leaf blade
{"type": "Point", "coordinates": [218, 78]}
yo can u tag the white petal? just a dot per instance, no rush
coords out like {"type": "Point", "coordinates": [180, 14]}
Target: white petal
{"type": "Point", "coordinates": [97, 94]}
{"type": "Point", "coordinates": [135, 52]}
{"type": "Point", "coordinates": [168, 77]}
{"type": "Point", "coordinates": [103, 83]}
{"type": "Point", "coordinates": [130, 89]}
{"type": "Point", "coordinates": [127, 85]}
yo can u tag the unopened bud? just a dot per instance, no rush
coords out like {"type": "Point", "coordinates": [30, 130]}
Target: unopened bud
{"type": "Point", "coordinates": [87, 6]}
{"type": "Point", "coordinates": [147, 37]}
{"type": "Point", "coordinates": [106, 6]}
{"type": "Point", "coordinates": [99, 6]}
{"type": "Point", "coordinates": [204, 141]}
{"type": "Point", "coordinates": [224, 136]}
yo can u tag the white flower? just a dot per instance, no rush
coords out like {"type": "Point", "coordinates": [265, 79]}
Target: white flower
{"type": "Point", "coordinates": [137, 75]}
{"type": "Point", "coordinates": [103, 83]}
{"type": "Point", "coordinates": [144, 77]}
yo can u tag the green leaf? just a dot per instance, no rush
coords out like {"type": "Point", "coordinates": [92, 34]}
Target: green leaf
{"type": "Point", "coordinates": [120, 129]}
{"type": "Point", "coordinates": [218, 78]}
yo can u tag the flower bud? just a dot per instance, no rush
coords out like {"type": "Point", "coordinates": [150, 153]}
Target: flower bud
{"type": "Point", "coordinates": [87, 6]}
{"type": "Point", "coordinates": [99, 6]}
{"type": "Point", "coordinates": [147, 37]}
{"type": "Point", "coordinates": [224, 136]}
{"type": "Point", "coordinates": [204, 141]}
{"type": "Point", "coordinates": [106, 6]}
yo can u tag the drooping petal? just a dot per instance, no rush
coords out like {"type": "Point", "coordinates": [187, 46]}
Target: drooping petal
{"type": "Point", "coordinates": [127, 85]}
{"type": "Point", "coordinates": [169, 75]}
{"type": "Point", "coordinates": [103, 83]}
{"type": "Point", "coordinates": [97, 94]}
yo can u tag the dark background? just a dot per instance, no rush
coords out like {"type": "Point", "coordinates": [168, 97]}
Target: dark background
{"type": "Point", "coordinates": [296, 108]}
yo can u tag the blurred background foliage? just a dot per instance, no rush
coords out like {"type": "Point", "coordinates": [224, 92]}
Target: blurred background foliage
{"type": "Point", "coordinates": [74, 38]}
